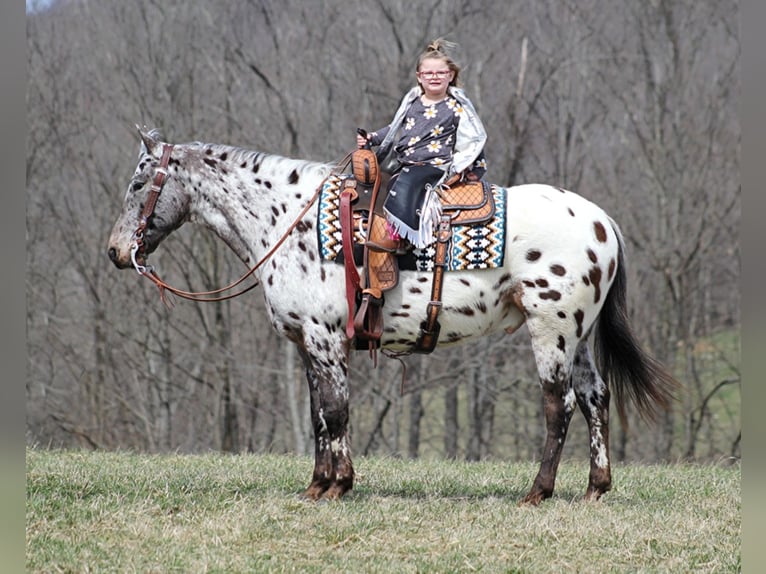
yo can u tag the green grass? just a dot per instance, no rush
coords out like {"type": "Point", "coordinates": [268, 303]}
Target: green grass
{"type": "Point", "coordinates": [120, 512]}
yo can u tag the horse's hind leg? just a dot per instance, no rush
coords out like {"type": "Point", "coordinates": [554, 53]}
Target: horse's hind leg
{"type": "Point", "coordinates": [593, 399]}
{"type": "Point", "coordinates": [554, 361]}
{"type": "Point", "coordinates": [333, 471]}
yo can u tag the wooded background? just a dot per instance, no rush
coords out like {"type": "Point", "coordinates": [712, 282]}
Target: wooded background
{"type": "Point", "coordinates": [633, 105]}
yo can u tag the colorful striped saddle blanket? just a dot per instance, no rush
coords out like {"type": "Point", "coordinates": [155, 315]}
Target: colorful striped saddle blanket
{"type": "Point", "coordinates": [474, 246]}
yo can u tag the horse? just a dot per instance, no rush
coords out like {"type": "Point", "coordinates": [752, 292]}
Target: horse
{"type": "Point", "coordinates": [563, 275]}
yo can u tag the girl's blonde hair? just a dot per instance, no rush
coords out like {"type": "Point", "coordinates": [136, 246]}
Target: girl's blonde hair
{"type": "Point", "coordinates": [440, 49]}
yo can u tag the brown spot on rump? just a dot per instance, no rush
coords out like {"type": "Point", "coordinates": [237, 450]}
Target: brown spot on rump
{"type": "Point", "coordinates": [595, 279]}
{"type": "Point", "coordinates": [579, 315]}
{"type": "Point", "coordinates": [293, 177]}
{"type": "Point", "coordinates": [528, 283]}
{"type": "Point", "coordinates": [562, 345]}
{"type": "Point", "coordinates": [586, 280]}
{"type": "Point", "coordinates": [592, 256]}
{"type": "Point", "coordinates": [533, 255]}
{"type": "Point", "coordinates": [552, 294]}
{"type": "Point", "coordinates": [598, 227]}
{"type": "Point", "coordinates": [541, 282]}
{"type": "Point", "coordinates": [610, 272]}
{"type": "Point", "coordinates": [559, 270]}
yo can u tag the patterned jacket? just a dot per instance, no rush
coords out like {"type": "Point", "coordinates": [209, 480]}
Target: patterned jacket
{"type": "Point", "coordinates": [470, 138]}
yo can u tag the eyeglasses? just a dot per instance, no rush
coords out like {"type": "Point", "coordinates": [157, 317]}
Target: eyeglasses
{"type": "Point", "coordinates": [441, 74]}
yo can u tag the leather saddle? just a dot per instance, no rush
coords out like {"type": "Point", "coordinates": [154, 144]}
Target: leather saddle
{"type": "Point", "coordinates": [362, 195]}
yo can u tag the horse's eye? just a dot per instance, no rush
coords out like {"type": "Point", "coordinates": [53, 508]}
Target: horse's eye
{"type": "Point", "coordinates": [137, 185]}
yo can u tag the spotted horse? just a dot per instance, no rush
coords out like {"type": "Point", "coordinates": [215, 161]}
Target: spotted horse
{"type": "Point", "coordinates": [563, 274]}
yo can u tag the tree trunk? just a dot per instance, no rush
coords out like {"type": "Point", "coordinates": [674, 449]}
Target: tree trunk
{"type": "Point", "coordinates": [416, 415]}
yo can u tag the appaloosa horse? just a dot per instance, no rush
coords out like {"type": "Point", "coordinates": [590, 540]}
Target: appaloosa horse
{"type": "Point", "coordinates": [563, 271]}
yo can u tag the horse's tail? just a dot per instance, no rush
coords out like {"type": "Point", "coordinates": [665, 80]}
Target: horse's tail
{"type": "Point", "coordinates": [629, 370]}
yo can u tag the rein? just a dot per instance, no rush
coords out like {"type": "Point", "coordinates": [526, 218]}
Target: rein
{"type": "Point", "coordinates": [138, 247]}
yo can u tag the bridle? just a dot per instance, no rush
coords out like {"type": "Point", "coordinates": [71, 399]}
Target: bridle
{"type": "Point", "coordinates": [138, 248]}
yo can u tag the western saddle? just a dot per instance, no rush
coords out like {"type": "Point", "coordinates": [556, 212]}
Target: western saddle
{"type": "Point", "coordinates": [361, 206]}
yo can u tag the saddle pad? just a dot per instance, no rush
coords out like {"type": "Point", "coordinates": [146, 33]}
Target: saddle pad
{"type": "Point", "coordinates": [473, 246]}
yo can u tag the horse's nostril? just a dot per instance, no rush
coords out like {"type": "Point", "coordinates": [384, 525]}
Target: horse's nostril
{"type": "Point", "coordinates": [112, 253]}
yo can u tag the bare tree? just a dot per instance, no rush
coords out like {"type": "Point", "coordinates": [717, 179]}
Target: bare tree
{"type": "Point", "coordinates": [634, 108]}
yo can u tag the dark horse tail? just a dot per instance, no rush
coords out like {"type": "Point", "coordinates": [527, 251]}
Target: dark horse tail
{"type": "Point", "coordinates": [629, 370]}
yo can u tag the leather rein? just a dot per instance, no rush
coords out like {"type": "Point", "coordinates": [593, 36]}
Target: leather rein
{"type": "Point", "coordinates": [138, 248]}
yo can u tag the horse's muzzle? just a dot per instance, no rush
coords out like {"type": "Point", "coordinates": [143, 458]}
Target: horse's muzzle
{"type": "Point", "coordinates": [114, 257]}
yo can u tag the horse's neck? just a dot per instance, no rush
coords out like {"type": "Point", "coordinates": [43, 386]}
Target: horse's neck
{"type": "Point", "coordinates": [249, 199]}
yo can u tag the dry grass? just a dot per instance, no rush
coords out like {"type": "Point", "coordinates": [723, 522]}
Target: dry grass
{"type": "Point", "coordinates": [118, 512]}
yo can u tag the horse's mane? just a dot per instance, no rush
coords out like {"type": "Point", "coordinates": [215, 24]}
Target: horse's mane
{"type": "Point", "coordinates": [268, 161]}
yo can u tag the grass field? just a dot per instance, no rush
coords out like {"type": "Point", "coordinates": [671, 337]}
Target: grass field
{"type": "Point", "coordinates": [121, 512]}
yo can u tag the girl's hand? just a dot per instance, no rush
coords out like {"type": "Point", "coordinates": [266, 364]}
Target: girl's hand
{"type": "Point", "coordinates": [363, 138]}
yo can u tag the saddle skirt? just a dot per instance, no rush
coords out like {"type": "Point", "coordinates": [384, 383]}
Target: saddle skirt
{"type": "Point", "coordinates": [478, 228]}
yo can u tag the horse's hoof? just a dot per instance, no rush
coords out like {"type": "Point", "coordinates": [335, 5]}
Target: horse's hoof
{"type": "Point", "coordinates": [594, 494]}
{"type": "Point", "coordinates": [313, 492]}
{"type": "Point", "coordinates": [534, 498]}
{"type": "Point", "coordinates": [335, 492]}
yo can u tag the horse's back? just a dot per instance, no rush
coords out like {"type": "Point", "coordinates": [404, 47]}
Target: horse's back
{"type": "Point", "coordinates": [546, 223]}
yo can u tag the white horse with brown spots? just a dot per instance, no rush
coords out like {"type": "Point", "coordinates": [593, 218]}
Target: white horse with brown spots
{"type": "Point", "coordinates": [563, 274]}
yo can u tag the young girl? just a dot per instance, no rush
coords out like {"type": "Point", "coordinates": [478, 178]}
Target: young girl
{"type": "Point", "coordinates": [435, 134]}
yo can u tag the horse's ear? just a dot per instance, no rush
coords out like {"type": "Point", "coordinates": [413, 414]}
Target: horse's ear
{"type": "Point", "coordinates": [149, 139]}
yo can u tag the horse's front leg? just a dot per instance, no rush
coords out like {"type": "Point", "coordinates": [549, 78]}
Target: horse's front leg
{"type": "Point", "coordinates": [333, 471]}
